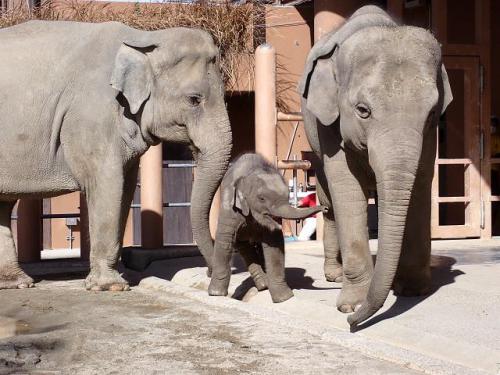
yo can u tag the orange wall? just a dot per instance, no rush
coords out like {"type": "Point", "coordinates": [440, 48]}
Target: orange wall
{"type": "Point", "coordinates": [68, 203]}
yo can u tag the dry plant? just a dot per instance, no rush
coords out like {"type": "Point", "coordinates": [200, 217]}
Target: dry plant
{"type": "Point", "coordinates": [236, 29]}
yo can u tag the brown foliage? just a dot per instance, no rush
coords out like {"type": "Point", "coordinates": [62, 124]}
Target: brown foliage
{"type": "Point", "coordinates": [235, 28]}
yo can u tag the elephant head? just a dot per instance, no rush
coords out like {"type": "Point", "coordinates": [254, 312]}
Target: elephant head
{"type": "Point", "coordinates": [169, 83]}
{"type": "Point", "coordinates": [263, 196]}
{"type": "Point", "coordinates": [385, 87]}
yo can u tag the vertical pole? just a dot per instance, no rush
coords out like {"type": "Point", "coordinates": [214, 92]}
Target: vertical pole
{"type": "Point", "coordinates": [265, 102]}
{"type": "Point", "coordinates": [214, 213]}
{"type": "Point", "coordinates": [325, 18]}
{"type": "Point", "coordinates": [29, 230]}
{"type": "Point", "coordinates": [152, 198]}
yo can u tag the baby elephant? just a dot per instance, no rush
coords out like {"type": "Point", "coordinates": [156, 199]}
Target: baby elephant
{"type": "Point", "coordinates": [254, 199]}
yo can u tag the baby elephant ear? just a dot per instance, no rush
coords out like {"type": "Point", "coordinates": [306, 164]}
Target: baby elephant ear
{"type": "Point", "coordinates": [133, 74]}
{"type": "Point", "coordinates": [239, 200]}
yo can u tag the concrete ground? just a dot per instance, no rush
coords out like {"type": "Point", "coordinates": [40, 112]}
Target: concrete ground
{"type": "Point", "coordinates": [174, 327]}
{"type": "Point", "coordinates": [454, 330]}
{"type": "Point", "coordinates": [160, 328]}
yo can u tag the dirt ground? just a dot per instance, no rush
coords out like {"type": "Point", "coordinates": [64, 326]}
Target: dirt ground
{"type": "Point", "coordinates": [59, 328]}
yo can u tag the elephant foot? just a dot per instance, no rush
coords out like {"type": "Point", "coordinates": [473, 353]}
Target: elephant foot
{"type": "Point", "coordinates": [333, 271]}
{"type": "Point", "coordinates": [218, 287]}
{"type": "Point", "coordinates": [258, 276]}
{"type": "Point", "coordinates": [15, 278]}
{"type": "Point", "coordinates": [351, 297]}
{"type": "Point", "coordinates": [108, 280]}
{"type": "Point", "coordinates": [260, 283]}
{"type": "Point", "coordinates": [280, 293]}
{"type": "Point", "coordinates": [414, 283]}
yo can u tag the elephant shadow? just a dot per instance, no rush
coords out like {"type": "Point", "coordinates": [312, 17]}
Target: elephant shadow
{"type": "Point", "coordinates": [296, 279]}
{"type": "Point", "coordinates": [442, 274]}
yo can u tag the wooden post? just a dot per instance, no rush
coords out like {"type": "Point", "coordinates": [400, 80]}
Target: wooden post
{"type": "Point", "coordinates": [214, 213]}
{"type": "Point", "coordinates": [152, 198]}
{"type": "Point", "coordinates": [265, 102]}
{"type": "Point", "coordinates": [325, 19]}
{"type": "Point", "coordinates": [29, 230]}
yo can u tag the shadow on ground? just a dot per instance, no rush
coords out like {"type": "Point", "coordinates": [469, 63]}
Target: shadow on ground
{"type": "Point", "coordinates": [442, 274]}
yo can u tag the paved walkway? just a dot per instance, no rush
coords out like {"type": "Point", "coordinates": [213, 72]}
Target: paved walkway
{"type": "Point", "coordinates": [454, 330]}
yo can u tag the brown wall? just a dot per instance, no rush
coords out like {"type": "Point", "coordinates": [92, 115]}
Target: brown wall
{"type": "Point", "coordinates": [68, 203]}
{"type": "Point", "coordinates": [495, 58]}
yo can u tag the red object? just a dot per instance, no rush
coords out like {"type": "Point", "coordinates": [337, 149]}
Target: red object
{"type": "Point", "coordinates": [308, 201]}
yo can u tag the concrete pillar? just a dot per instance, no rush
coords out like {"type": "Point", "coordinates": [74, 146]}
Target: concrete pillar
{"type": "Point", "coordinates": [29, 230]}
{"type": "Point", "coordinates": [214, 213]}
{"type": "Point", "coordinates": [152, 198]}
{"type": "Point", "coordinates": [325, 19]}
{"type": "Point", "coordinates": [265, 102]}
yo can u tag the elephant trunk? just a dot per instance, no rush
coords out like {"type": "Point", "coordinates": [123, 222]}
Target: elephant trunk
{"type": "Point", "coordinates": [395, 169]}
{"type": "Point", "coordinates": [286, 211]}
{"type": "Point", "coordinates": [212, 156]}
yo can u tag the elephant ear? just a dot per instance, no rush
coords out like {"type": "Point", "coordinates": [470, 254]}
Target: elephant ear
{"type": "Point", "coordinates": [446, 89]}
{"type": "Point", "coordinates": [132, 74]}
{"type": "Point", "coordinates": [322, 99]}
{"type": "Point", "coordinates": [239, 201]}
{"type": "Point", "coordinates": [318, 84]}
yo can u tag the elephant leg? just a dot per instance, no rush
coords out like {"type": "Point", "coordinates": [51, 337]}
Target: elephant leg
{"type": "Point", "coordinates": [221, 260]}
{"type": "Point", "coordinates": [108, 201]}
{"type": "Point", "coordinates": [11, 275]}
{"type": "Point", "coordinates": [273, 248]}
{"type": "Point", "coordinates": [253, 261]}
{"type": "Point", "coordinates": [333, 260]}
{"type": "Point", "coordinates": [350, 202]}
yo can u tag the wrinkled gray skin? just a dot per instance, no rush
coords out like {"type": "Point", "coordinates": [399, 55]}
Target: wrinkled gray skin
{"type": "Point", "coordinates": [372, 95]}
{"type": "Point", "coordinates": [254, 198]}
{"type": "Point", "coordinates": [80, 103]}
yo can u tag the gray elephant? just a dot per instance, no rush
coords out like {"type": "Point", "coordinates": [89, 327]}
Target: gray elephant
{"type": "Point", "coordinates": [254, 199]}
{"type": "Point", "coordinates": [80, 103]}
{"type": "Point", "coordinates": [372, 93]}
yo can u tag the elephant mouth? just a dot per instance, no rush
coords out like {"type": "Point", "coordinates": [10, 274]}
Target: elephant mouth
{"type": "Point", "coordinates": [274, 220]}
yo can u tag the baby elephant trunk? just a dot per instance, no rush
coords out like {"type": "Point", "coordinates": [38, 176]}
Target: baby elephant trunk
{"type": "Point", "coordinates": [286, 211]}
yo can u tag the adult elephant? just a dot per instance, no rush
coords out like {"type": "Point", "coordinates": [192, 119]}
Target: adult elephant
{"type": "Point", "coordinates": [81, 102]}
{"type": "Point", "coordinates": [372, 93]}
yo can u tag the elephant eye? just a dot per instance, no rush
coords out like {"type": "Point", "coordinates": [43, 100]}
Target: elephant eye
{"type": "Point", "coordinates": [363, 111]}
{"type": "Point", "coordinates": [194, 99]}
{"type": "Point", "coordinates": [261, 198]}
